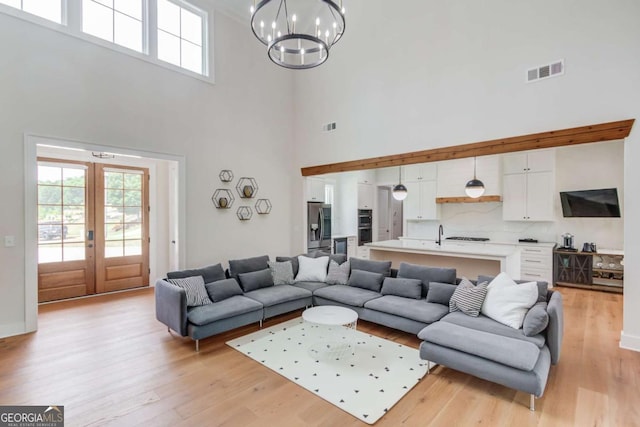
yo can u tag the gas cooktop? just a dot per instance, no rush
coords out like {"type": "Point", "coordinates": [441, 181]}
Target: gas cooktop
{"type": "Point", "coordinates": [469, 239]}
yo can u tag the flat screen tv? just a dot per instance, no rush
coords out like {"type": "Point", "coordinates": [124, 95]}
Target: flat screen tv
{"type": "Point", "coordinates": [590, 203]}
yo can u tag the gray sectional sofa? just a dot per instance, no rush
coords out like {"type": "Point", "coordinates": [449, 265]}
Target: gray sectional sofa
{"type": "Point", "coordinates": [413, 299]}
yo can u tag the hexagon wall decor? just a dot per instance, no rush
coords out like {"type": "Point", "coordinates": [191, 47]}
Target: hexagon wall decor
{"type": "Point", "coordinates": [263, 206]}
{"type": "Point", "coordinates": [247, 188]}
{"type": "Point", "coordinates": [223, 198]}
{"type": "Point", "coordinates": [226, 175]}
{"type": "Point", "coordinates": [244, 213]}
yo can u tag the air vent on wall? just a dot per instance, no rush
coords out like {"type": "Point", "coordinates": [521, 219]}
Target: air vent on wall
{"type": "Point", "coordinates": [329, 127]}
{"type": "Point", "coordinates": [545, 71]}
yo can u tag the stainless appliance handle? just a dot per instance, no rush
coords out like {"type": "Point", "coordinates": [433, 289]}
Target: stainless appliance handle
{"type": "Point", "coordinates": [321, 222]}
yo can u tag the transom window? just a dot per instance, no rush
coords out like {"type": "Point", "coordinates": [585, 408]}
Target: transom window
{"type": "Point", "coordinates": [47, 9]}
{"type": "Point", "coordinates": [180, 36]}
{"type": "Point", "coordinates": [164, 32]}
{"type": "Point", "coordinates": [117, 21]}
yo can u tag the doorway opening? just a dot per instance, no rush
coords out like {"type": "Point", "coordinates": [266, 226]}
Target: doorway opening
{"type": "Point", "coordinates": [389, 215]}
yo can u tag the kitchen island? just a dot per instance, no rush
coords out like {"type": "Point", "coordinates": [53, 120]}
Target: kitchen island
{"type": "Point", "coordinates": [469, 259]}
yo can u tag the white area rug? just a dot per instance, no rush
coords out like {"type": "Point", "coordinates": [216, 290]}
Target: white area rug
{"type": "Point", "coordinates": [366, 384]}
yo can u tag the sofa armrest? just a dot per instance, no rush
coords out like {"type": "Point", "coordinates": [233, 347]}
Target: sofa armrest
{"type": "Point", "coordinates": [171, 306]}
{"type": "Point", "coordinates": [555, 329]}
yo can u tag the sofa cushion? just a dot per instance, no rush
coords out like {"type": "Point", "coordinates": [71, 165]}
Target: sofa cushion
{"type": "Point", "coordinates": [194, 289]}
{"type": "Point", "coordinates": [338, 273]}
{"type": "Point", "coordinates": [536, 320]}
{"type": "Point", "coordinates": [366, 280]}
{"type": "Point", "coordinates": [282, 272]}
{"type": "Point", "coordinates": [508, 302]}
{"type": "Point", "coordinates": [312, 269]}
{"type": "Point", "coordinates": [408, 288]}
{"type": "Point", "coordinates": [427, 274]}
{"type": "Point", "coordinates": [294, 262]}
{"type": "Point", "coordinates": [210, 274]}
{"type": "Point", "coordinates": [223, 289]}
{"type": "Point", "coordinates": [468, 298]}
{"type": "Point", "coordinates": [310, 286]}
{"type": "Point", "coordinates": [418, 310]}
{"type": "Point", "coordinates": [225, 309]}
{"type": "Point", "coordinates": [381, 267]}
{"type": "Point", "coordinates": [543, 287]}
{"type": "Point", "coordinates": [348, 295]}
{"type": "Point", "coordinates": [338, 258]}
{"type": "Point", "coordinates": [278, 294]}
{"type": "Point", "coordinates": [486, 324]}
{"type": "Point", "coordinates": [247, 265]}
{"type": "Point", "coordinates": [512, 352]}
{"type": "Point", "coordinates": [256, 280]}
{"type": "Point", "coordinates": [440, 293]}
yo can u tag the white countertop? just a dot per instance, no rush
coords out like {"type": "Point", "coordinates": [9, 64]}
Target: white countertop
{"type": "Point", "coordinates": [489, 242]}
{"type": "Point", "coordinates": [452, 248]}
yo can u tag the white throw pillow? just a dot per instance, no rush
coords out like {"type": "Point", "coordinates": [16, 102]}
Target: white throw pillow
{"type": "Point", "coordinates": [508, 302]}
{"type": "Point", "coordinates": [312, 269]}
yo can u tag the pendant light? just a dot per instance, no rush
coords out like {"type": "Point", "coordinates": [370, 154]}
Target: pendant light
{"type": "Point", "coordinates": [399, 191]}
{"type": "Point", "coordinates": [475, 187]}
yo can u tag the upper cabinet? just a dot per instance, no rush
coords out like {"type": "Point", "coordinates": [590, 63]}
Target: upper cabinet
{"type": "Point", "coordinates": [365, 196]}
{"type": "Point", "coordinates": [420, 203]}
{"type": "Point", "coordinates": [420, 172]}
{"type": "Point", "coordinates": [315, 190]}
{"type": "Point", "coordinates": [529, 186]}
{"type": "Point", "coordinates": [367, 177]}
{"type": "Point", "coordinates": [453, 175]}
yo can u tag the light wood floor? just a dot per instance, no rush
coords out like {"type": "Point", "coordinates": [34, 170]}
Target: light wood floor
{"type": "Point", "coordinates": [109, 362]}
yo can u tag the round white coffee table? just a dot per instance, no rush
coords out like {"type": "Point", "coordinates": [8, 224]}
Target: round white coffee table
{"type": "Point", "coordinates": [331, 332]}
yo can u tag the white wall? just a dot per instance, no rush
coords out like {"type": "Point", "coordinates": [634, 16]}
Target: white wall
{"type": "Point", "coordinates": [57, 85]}
{"type": "Point", "coordinates": [446, 73]}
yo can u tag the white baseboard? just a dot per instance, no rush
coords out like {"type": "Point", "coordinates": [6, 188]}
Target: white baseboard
{"type": "Point", "coordinates": [11, 329]}
{"type": "Point", "coordinates": [629, 342]}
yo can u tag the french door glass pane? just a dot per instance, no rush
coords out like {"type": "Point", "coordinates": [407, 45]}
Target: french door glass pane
{"type": "Point", "coordinates": [73, 252]}
{"type": "Point", "coordinates": [49, 175]}
{"type": "Point", "coordinates": [47, 9]}
{"type": "Point", "coordinates": [49, 214]}
{"type": "Point", "coordinates": [74, 233]}
{"type": "Point", "coordinates": [133, 181]}
{"type": "Point", "coordinates": [113, 249]}
{"type": "Point", "coordinates": [73, 177]}
{"type": "Point", "coordinates": [133, 247]}
{"type": "Point", "coordinates": [133, 231]}
{"type": "Point", "coordinates": [73, 196]}
{"type": "Point", "coordinates": [113, 180]}
{"type": "Point", "coordinates": [133, 198]}
{"type": "Point", "coordinates": [114, 231]}
{"type": "Point", "coordinates": [114, 197]}
{"type": "Point", "coordinates": [128, 32]}
{"type": "Point", "coordinates": [113, 215]}
{"type": "Point", "coordinates": [50, 194]}
{"type": "Point", "coordinates": [49, 253]}
{"type": "Point", "coordinates": [97, 20]}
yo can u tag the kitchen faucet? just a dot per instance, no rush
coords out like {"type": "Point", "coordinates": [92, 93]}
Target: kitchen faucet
{"type": "Point", "coordinates": [440, 233]}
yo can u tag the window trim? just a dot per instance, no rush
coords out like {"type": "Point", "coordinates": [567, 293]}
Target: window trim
{"type": "Point", "coordinates": [72, 26]}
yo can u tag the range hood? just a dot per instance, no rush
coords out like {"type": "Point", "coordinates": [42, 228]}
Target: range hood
{"type": "Point", "coordinates": [464, 199]}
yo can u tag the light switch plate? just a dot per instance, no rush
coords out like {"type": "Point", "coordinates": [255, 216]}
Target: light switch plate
{"type": "Point", "coordinates": [9, 241]}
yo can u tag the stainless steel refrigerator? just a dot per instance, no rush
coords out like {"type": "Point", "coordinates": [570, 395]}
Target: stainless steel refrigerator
{"type": "Point", "coordinates": [318, 227]}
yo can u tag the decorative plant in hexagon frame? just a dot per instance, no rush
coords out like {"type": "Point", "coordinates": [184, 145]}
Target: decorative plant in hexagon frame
{"type": "Point", "coordinates": [247, 188]}
{"type": "Point", "coordinates": [226, 175]}
{"type": "Point", "coordinates": [263, 206]}
{"type": "Point", "coordinates": [223, 198]}
{"type": "Point", "coordinates": [244, 213]}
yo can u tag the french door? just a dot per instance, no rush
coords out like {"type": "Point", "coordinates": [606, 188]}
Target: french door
{"type": "Point", "coordinates": [93, 228]}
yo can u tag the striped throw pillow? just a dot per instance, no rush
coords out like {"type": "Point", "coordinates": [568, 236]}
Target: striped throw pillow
{"type": "Point", "coordinates": [468, 298]}
{"type": "Point", "coordinates": [195, 290]}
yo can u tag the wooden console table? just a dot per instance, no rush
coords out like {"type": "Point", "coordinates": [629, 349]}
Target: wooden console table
{"type": "Point", "coordinates": [602, 270]}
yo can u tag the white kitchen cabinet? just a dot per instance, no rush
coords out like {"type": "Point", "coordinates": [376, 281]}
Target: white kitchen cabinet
{"type": "Point", "coordinates": [536, 263]}
{"type": "Point", "coordinates": [420, 203]}
{"type": "Point", "coordinates": [365, 196]}
{"type": "Point", "coordinates": [453, 175]}
{"type": "Point", "coordinates": [315, 190]}
{"type": "Point", "coordinates": [528, 186]}
{"type": "Point", "coordinates": [420, 172]}
{"type": "Point", "coordinates": [367, 177]}
{"type": "Point", "coordinates": [352, 246]}
{"type": "Point", "coordinates": [363, 252]}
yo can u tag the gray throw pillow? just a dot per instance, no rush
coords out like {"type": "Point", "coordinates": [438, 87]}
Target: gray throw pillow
{"type": "Point", "coordinates": [468, 298]}
{"type": "Point", "coordinates": [536, 320]}
{"type": "Point", "coordinates": [294, 263]}
{"type": "Point", "coordinates": [247, 265]}
{"type": "Point", "coordinates": [427, 274]}
{"type": "Point", "coordinates": [407, 288]}
{"type": "Point", "coordinates": [210, 274]}
{"type": "Point", "coordinates": [440, 293]}
{"type": "Point", "coordinates": [256, 280]}
{"type": "Point", "coordinates": [194, 289]}
{"type": "Point", "coordinates": [365, 280]}
{"type": "Point", "coordinates": [282, 272]}
{"type": "Point", "coordinates": [338, 273]}
{"type": "Point", "coordinates": [542, 286]}
{"type": "Point", "coordinates": [381, 267]}
{"type": "Point", "coordinates": [223, 289]}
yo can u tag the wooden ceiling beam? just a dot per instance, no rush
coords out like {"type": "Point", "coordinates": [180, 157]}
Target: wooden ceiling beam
{"type": "Point", "coordinates": [558, 138]}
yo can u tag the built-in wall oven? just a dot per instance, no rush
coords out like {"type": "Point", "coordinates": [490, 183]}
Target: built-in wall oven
{"type": "Point", "coordinates": [365, 222]}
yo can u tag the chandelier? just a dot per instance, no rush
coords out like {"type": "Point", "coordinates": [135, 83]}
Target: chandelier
{"type": "Point", "coordinates": [298, 33]}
